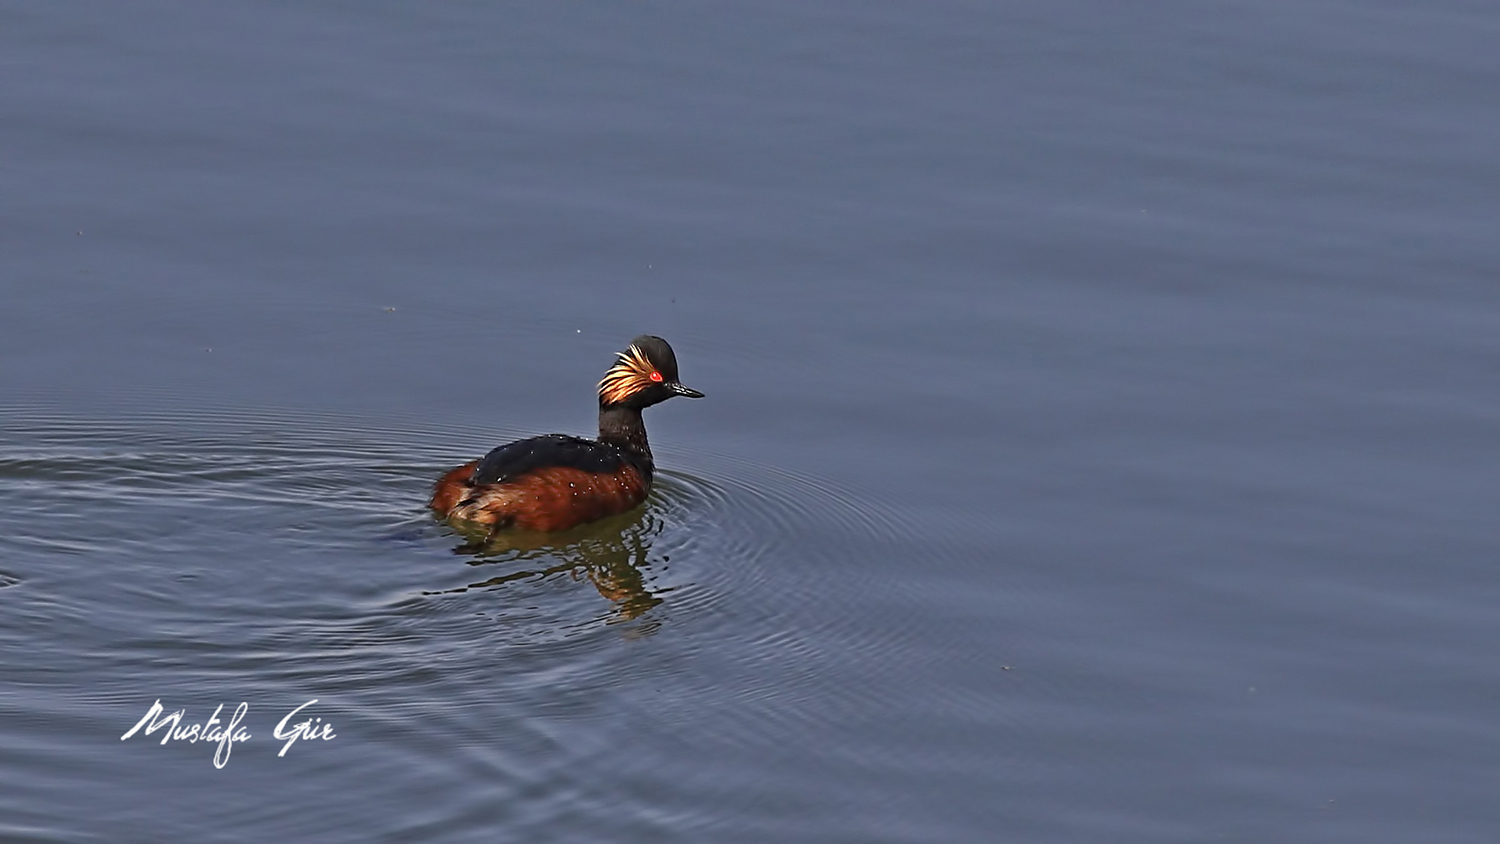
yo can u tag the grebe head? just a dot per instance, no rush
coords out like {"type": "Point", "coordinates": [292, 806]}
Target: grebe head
{"type": "Point", "coordinates": [644, 374]}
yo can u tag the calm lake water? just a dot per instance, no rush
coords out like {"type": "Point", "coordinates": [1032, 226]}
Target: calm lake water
{"type": "Point", "coordinates": [1100, 441]}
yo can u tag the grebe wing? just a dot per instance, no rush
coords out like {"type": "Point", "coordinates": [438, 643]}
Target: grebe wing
{"type": "Point", "coordinates": [518, 458]}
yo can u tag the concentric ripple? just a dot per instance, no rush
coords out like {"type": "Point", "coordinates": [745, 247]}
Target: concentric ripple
{"type": "Point", "coordinates": [712, 528]}
{"type": "Point", "coordinates": [202, 555]}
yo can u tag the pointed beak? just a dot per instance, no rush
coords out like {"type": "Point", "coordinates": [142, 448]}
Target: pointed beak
{"type": "Point", "coordinates": [679, 390]}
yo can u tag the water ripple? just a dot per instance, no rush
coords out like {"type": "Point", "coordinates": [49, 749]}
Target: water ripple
{"type": "Point", "coordinates": [721, 530]}
{"type": "Point", "coordinates": [176, 554]}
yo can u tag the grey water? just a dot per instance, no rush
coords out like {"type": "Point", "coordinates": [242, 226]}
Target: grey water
{"type": "Point", "coordinates": [1099, 444]}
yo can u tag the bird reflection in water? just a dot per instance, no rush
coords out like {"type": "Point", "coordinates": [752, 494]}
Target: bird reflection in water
{"type": "Point", "coordinates": [609, 554]}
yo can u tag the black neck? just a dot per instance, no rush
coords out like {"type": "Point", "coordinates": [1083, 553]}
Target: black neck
{"type": "Point", "coordinates": [622, 426]}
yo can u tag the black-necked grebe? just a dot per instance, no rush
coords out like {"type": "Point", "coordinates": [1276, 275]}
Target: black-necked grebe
{"type": "Point", "coordinates": [555, 482]}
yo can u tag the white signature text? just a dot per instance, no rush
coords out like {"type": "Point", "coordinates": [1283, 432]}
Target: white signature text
{"type": "Point", "coordinates": [226, 734]}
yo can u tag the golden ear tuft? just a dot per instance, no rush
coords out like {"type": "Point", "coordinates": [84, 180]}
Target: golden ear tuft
{"type": "Point", "coordinates": [631, 373]}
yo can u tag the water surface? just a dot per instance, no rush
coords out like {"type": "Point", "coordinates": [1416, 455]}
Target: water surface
{"type": "Point", "coordinates": [1099, 441]}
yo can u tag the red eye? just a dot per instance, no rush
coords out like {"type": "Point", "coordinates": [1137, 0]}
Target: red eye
{"type": "Point", "coordinates": [656, 376]}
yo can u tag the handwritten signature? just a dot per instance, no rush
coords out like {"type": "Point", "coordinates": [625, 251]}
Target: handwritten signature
{"type": "Point", "coordinates": [227, 734]}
